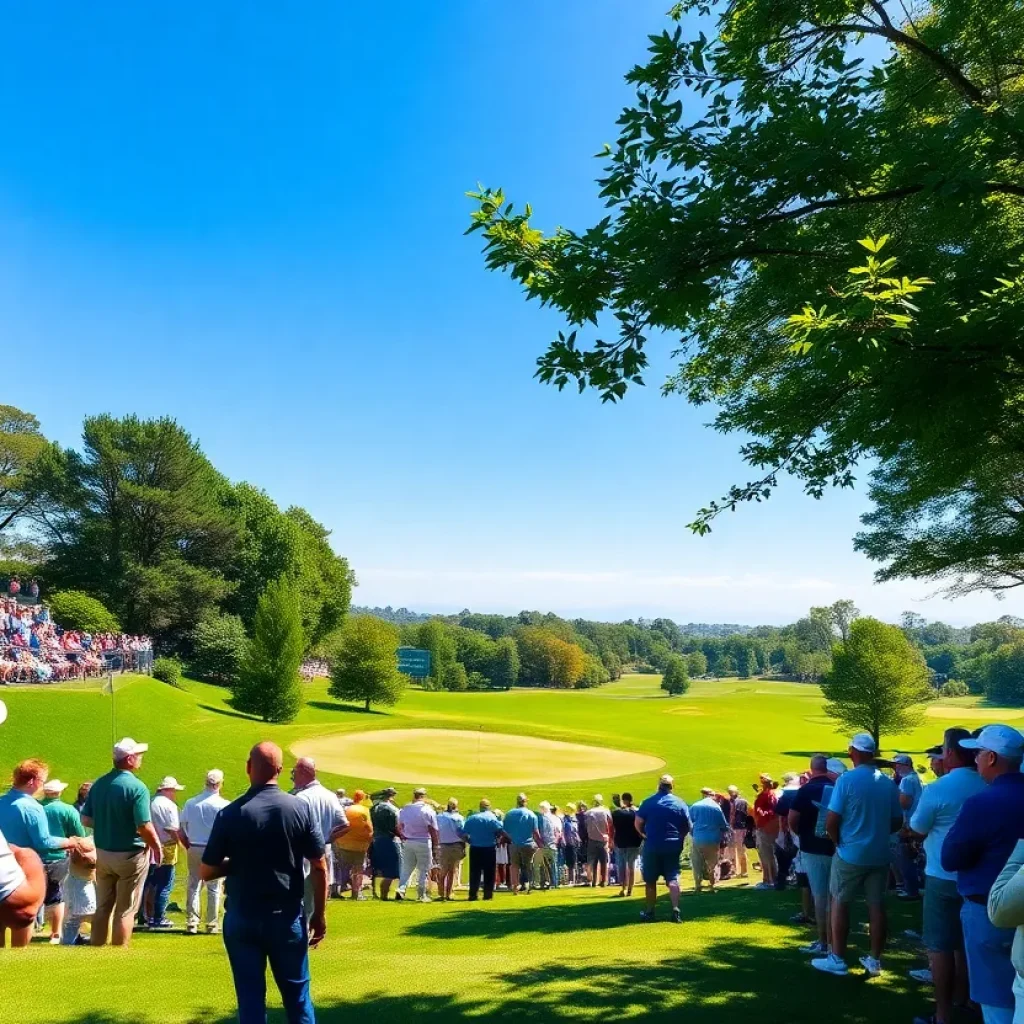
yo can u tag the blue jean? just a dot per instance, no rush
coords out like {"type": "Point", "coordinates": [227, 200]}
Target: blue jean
{"type": "Point", "coordinates": [282, 940]}
{"type": "Point", "coordinates": [988, 957]}
{"type": "Point", "coordinates": [160, 882]}
{"type": "Point", "coordinates": [908, 869]}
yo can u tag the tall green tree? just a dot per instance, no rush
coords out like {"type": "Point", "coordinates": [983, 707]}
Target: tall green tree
{"type": "Point", "coordinates": [268, 681]}
{"type": "Point", "coordinates": [503, 671]}
{"type": "Point", "coordinates": [436, 637]}
{"type": "Point", "coordinates": [675, 679]}
{"type": "Point", "coordinates": [878, 680]}
{"type": "Point", "coordinates": [364, 663]}
{"type": "Point", "coordinates": [748, 164]}
{"type": "Point", "coordinates": [142, 525]}
{"type": "Point", "coordinates": [21, 445]}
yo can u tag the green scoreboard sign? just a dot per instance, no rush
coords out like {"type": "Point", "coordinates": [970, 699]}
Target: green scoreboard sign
{"type": "Point", "coordinates": [414, 662]}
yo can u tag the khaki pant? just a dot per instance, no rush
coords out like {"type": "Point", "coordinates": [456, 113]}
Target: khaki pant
{"type": "Point", "coordinates": [119, 881]}
{"type": "Point", "coordinates": [194, 892]}
{"type": "Point", "coordinates": [704, 860]}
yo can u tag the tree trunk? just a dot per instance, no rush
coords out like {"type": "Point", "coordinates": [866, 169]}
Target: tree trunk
{"type": "Point", "coordinates": [367, 703]}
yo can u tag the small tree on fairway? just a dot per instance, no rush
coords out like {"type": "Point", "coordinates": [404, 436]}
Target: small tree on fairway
{"type": "Point", "coordinates": [877, 681]}
{"type": "Point", "coordinates": [455, 677]}
{"type": "Point", "coordinates": [675, 680]}
{"type": "Point", "coordinates": [268, 681]}
{"type": "Point", "coordinates": [364, 663]}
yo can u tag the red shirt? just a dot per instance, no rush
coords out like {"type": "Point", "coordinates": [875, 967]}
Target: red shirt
{"type": "Point", "coordinates": [764, 812]}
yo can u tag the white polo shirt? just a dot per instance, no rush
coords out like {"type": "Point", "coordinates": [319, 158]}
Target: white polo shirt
{"type": "Point", "coordinates": [164, 814]}
{"type": "Point", "coordinates": [937, 811]}
{"type": "Point", "coordinates": [11, 875]}
{"type": "Point", "coordinates": [327, 810]}
{"type": "Point", "coordinates": [198, 815]}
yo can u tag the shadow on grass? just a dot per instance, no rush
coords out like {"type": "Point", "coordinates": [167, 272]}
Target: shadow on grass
{"type": "Point", "coordinates": [352, 709]}
{"type": "Point", "coordinates": [230, 714]}
{"type": "Point", "coordinates": [730, 982]}
{"type": "Point", "coordinates": [813, 753]}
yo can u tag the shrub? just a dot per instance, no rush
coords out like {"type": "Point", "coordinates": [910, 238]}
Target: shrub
{"type": "Point", "coordinates": [478, 681]}
{"type": "Point", "coordinates": [218, 646]}
{"type": "Point", "coordinates": [168, 670]}
{"type": "Point", "coordinates": [74, 609]}
{"type": "Point", "coordinates": [455, 677]}
{"type": "Point", "coordinates": [954, 688]}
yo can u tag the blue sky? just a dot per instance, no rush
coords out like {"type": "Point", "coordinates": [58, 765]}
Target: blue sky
{"type": "Point", "coordinates": [250, 218]}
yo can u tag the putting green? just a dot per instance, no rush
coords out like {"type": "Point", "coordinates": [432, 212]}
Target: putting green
{"type": "Point", "coordinates": [975, 714]}
{"type": "Point", "coordinates": [455, 757]}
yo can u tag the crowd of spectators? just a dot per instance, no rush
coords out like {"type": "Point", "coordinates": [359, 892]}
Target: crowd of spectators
{"type": "Point", "coordinates": [34, 649]}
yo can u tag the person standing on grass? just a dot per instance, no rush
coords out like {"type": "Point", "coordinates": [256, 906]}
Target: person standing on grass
{"type": "Point", "coordinates": [482, 831]}
{"type": "Point", "coordinates": [549, 832]}
{"type": "Point", "coordinates": [663, 821]}
{"type": "Point", "coordinates": [25, 824]}
{"type": "Point", "coordinates": [786, 849]}
{"type": "Point", "coordinates": [627, 843]}
{"type": "Point", "coordinates": [599, 837]}
{"type": "Point", "coordinates": [83, 792]}
{"type": "Point", "coordinates": [197, 818]}
{"type": "Point", "coordinates": [863, 812]}
{"type": "Point", "coordinates": [709, 825]}
{"type": "Point", "coordinates": [1006, 910]}
{"type": "Point", "coordinates": [451, 847]}
{"type": "Point", "coordinates": [571, 844]}
{"type": "Point", "coordinates": [766, 820]}
{"type": "Point", "coordinates": [942, 931]}
{"type": "Point", "coordinates": [739, 811]}
{"type": "Point", "coordinates": [807, 822]}
{"type": "Point", "coordinates": [259, 843]}
{"type": "Point", "coordinates": [910, 788]}
{"type": "Point", "coordinates": [521, 826]}
{"type": "Point", "coordinates": [352, 842]}
{"type": "Point", "coordinates": [62, 820]}
{"type": "Point", "coordinates": [386, 845]}
{"type": "Point", "coordinates": [163, 812]}
{"type": "Point", "coordinates": [977, 848]}
{"type": "Point", "coordinates": [327, 812]}
{"type": "Point", "coordinates": [581, 827]}
{"type": "Point", "coordinates": [420, 843]}
{"type": "Point", "coordinates": [117, 810]}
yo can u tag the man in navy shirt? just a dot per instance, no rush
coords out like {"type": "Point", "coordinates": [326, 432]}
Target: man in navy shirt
{"type": "Point", "coordinates": [258, 842]}
{"type": "Point", "coordinates": [977, 848]}
{"type": "Point", "coordinates": [664, 822]}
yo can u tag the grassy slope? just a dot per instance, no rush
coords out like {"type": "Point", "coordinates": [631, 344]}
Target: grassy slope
{"type": "Point", "coordinates": [573, 955]}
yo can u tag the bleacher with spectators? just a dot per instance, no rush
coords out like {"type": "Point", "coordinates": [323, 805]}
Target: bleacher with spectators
{"type": "Point", "coordinates": [34, 649]}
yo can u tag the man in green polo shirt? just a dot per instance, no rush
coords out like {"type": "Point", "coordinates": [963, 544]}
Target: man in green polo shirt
{"type": "Point", "coordinates": [63, 820]}
{"type": "Point", "coordinates": [117, 810]}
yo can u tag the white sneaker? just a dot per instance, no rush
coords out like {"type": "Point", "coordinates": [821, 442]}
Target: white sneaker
{"type": "Point", "coordinates": [192, 929]}
{"type": "Point", "coordinates": [871, 965]}
{"type": "Point", "coordinates": [924, 976]}
{"type": "Point", "coordinates": [424, 899]}
{"type": "Point", "coordinates": [815, 948]}
{"type": "Point", "coordinates": [830, 964]}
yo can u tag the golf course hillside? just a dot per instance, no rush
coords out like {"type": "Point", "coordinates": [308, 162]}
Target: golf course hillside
{"type": "Point", "coordinates": [573, 954]}
{"type": "Point", "coordinates": [468, 745]}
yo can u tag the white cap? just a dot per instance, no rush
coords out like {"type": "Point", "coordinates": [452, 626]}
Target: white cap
{"type": "Point", "coordinates": [169, 782]}
{"type": "Point", "coordinates": [54, 786]}
{"type": "Point", "coordinates": [127, 747]}
{"type": "Point", "coordinates": [903, 759]}
{"type": "Point", "coordinates": [835, 766]}
{"type": "Point", "coordinates": [864, 742]}
{"type": "Point", "coordinates": [1003, 740]}
{"type": "Point", "coordinates": [3, 712]}
{"type": "Point", "coordinates": [214, 777]}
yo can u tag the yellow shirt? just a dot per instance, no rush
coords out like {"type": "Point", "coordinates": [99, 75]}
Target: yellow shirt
{"type": "Point", "coordinates": [360, 831]}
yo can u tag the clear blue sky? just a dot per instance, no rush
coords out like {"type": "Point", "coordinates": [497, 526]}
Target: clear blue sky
{"type": "Point", "coordinates": [250, 217]}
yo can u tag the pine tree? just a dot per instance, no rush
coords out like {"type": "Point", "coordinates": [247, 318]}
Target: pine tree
{"type": "Point", "coordinates": [268, 683]}
{"type": "Point", "coordinates": [364, 663]}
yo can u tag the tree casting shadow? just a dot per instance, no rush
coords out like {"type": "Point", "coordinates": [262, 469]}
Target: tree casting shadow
{"type": "Point", "coordinates": [350, 709]}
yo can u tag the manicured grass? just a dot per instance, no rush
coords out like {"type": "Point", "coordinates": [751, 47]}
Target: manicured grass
{"type": "Point", "coordinates": [572, 955]}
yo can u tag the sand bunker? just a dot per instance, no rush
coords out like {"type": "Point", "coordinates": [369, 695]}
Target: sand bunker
{"type": "Point", "coordinates": [975, 714]}
{"type": "Point", "coordinates": [461, 758]}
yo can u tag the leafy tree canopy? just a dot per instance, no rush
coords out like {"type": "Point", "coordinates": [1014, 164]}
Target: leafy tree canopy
{"type": "Point", "coordinates": [364, 663]}
{"type": "Point", "coordinates": [742, 176]}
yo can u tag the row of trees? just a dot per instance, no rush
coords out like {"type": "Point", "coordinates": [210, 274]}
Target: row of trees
{"type": "Point", "coordinates": [140, 520]}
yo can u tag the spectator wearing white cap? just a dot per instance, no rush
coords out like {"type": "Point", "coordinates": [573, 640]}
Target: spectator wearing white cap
{"type": "Point", "coordinates": [164, 814]}
{"type": "Point", "coordinates": [863, 812]}
{"type": "Point", "coordinates": [197, 818]}
{"type": "Point", "coordinates": [63, 820]}
{"type": "Point", "coordinates": [941, 932]}
{"type": "Point", "coordinates": [117, 810]}
{"type": "Point", "coordinates": [977, 848]}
